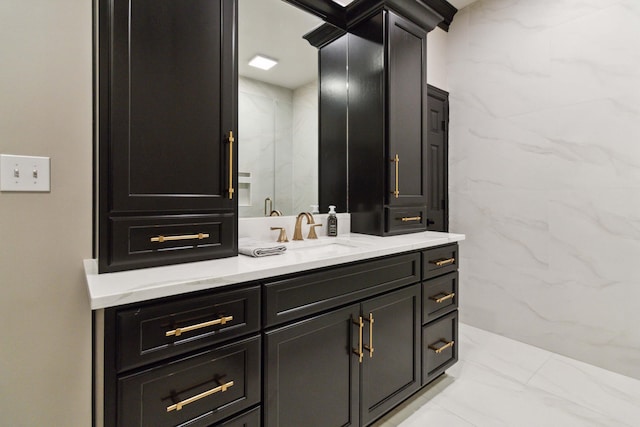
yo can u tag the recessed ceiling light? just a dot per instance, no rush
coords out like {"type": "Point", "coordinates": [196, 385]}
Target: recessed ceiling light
{"type": "Point", "coordinates": [262, 62]}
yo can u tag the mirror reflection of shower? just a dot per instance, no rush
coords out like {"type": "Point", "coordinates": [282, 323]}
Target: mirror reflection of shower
{"type": "Point", "coordinates": [277, 110]}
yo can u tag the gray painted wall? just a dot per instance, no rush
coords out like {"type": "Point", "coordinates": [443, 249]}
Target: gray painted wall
{"type": "Point", "coordinates": [46, 110]}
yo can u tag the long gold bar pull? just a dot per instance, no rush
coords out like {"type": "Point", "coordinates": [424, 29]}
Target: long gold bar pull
{"type": "Point", "coordinates": [179, 331]}
{"type": "Point", "coordinates": [358, 351]}
{"type": "Point", "coordinates": [440, 299]}
{"type": "Point", "coordinates": [443, 262]}
{"type": "Point", "coordinates": [221, 388]}
{"type": "Point", "coordinates": [231, 140]}
{"type": "Point", "coordinates": [396, 160]}
{"type": "Point", "coordinates": [161, 239]}
{"type": "Point", "coordinates": [439, 350]}
{"type": "Point", "coordinates": [369, 347]}
{"type": "Point", "coordinates": [411, 218]}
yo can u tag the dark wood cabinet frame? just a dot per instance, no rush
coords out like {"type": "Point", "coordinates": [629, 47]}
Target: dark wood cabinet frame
{"type": "Point", "coordinates": [427, 13]}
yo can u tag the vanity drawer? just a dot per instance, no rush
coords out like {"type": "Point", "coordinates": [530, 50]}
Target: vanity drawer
{"type": "Point", "coordinates": [311, 293]}
{"type": "Point", "coordinates": [439, 346]}
{"type": "Point", "coordinates": [406, 220]}
{"type": "Point", "coordinates": [199, 390]}
{"type": "Point", "coordinates": [150, 333]}
{"type": "Point", "coordinates": [439, 296]}
{"type": "Point", "coordinates": [439, 261]}
{"type": "Point", "coordinates": [144, 241]}
{"type": "Point", "coordinates": [248, 419]}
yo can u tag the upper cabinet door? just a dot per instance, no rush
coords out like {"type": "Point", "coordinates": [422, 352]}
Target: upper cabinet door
{"type": "Point", "coordinates": [406, 53]}
{"type": "Point", "coordinates": [167, 99]}
{"type": "Point", "coordinates": [172, 105]}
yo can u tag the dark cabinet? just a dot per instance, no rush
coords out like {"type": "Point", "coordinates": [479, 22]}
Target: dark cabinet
{"type": "Point", "coordinates": [167, 115]}
{"type": "Point", "coordinates": [187, 360]}
{"type": "Point", "coordinates": [346, 367]}
{"type": "Point", "coordinates": [311, 372]}
{"type": "Point", "coordinates": [251, 418]}
{"type": "Point", "coordinates": [440, 293]}
{"type": "Point", "coordinates": [391, 365]}
{"type": "Point", "coordinates": [196, 390]}
{"type": "Point", "coordinates": [439, 346]}
{"type": "Point", "coordinates": [438, 159]}
{"type": "Point", "coordinates": [338, 346]}
{"type": "Point", "coordinates": [387, 133]}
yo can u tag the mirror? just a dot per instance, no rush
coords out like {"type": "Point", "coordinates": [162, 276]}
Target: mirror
{"type": "Point", "coordinates": [277, 110]}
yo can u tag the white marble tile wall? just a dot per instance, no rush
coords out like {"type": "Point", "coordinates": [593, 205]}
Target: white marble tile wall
{"type": "Point", "coordinates": [264, 140]}
{"type": "Point", "coordinates": [545, 173]}
{"type": "Point", "coordinates": [305, 148]}
{"type": "Point", "coordinates": [283, 196]}
{"type": "Point", "coordinates": [278, 145]}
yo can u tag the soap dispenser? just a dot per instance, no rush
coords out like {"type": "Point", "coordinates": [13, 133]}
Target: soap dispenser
{"type": "Point", "coordinates": [332, 222]}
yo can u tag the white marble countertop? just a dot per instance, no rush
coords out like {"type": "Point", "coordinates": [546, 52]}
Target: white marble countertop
{"type": "Point", "coordinates": [113, 289]}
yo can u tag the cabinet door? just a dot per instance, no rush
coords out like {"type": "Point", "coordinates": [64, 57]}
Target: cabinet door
{"type": "Point", "coordinates": [311, 372]}
{"type": "Point", "coordinates": [407, 91]}
{"type": "Point", "coordinates": [391, 366]}
{"type": "Point", "coordinates": [172, 103]}
{"type": "Point", "coordinates": [438, 199]}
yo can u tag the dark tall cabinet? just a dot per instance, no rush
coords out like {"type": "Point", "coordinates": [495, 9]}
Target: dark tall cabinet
{"type": "Point", "coordinates": [385, 134]}
{"type": "Point", "coordinates": [167, 119]}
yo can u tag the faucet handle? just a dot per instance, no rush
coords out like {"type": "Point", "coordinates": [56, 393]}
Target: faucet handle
{"type": "Point", "coordinates": [312, 231]}
{"type": "Point", "coordinates": [283, 234]}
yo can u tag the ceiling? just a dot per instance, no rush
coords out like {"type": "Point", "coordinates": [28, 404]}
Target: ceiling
{"type": "Point", "coordinates": [275, 29]}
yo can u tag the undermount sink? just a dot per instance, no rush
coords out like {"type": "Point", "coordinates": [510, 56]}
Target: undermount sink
{"type": "Point", "coordinates": [321, 247]}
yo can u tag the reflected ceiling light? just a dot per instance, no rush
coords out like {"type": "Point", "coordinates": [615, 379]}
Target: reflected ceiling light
{"type": "Point", "coordinates": [262, 62]}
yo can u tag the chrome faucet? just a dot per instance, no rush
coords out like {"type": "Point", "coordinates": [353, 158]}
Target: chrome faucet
{"type": "Point", "coordinates": [297, 232]}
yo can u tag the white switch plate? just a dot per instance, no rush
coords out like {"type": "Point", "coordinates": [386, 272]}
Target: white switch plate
{"type": "Point", "coordinates": [24, 173]}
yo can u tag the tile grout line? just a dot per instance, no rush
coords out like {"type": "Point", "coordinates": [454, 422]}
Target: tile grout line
{"type": "Point", "coordinates": [542, 365]}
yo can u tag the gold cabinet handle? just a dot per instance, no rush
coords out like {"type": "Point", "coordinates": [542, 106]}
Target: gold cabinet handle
{"type": "Point", "coordinates": [179, 331]}
{"type": "Point", "coordinates": [411, 218]}
{"type": "Point", "coordinates": [442, 299]}
{"type": "Point", "coordinates": [442, 262]}
{"type": "Point", "coordinates": [198, 236]}
{"type": "Point", "coordinates": [396, 160]}
{"type": "Point", "coordinates": [231, 140]}
{"type": "Point", "coordinates": [221, 388]}
{"type": "Point", "coordinates": [369, 347]}
{"type": "Point", "coordinates": [358, 351]}
{"type": "Point", "coordinates": [438, 350]}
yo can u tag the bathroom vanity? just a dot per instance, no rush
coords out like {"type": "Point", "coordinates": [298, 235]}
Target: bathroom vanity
{"type": "Point", "coordinates": [336, 332]}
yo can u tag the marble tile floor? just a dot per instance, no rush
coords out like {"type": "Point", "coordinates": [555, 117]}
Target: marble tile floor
{"type": "Point", "coordinates": [501, 382]}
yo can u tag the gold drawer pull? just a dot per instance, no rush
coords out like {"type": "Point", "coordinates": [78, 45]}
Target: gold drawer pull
{"type": "Point", "coordinates": [231, 141]}
{"type": "Point", "coordinates": [221, 388]}
{"type": "Point", "coordinates": [369, 347]}
{"type": "Point", "coordinates": [411, 218]}
{"type": "Point", "coordinates": [358, 351]}
{"type": "Point", "coordinates": [199, 236]}
{"type": "Point", "coordinates": [439, 350]}
{"type": "Point", "coordinates": [442, 298]}
{"type": "Point", "coordinates": [179, 331]}
{"type": "Point", "coordinates": [396, 160]}
{"type": "Point", "coordinates": [443, 262]}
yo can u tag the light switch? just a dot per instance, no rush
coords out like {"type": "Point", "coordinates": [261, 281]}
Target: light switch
{"type": "Point", "coordinates": [24, 173]}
